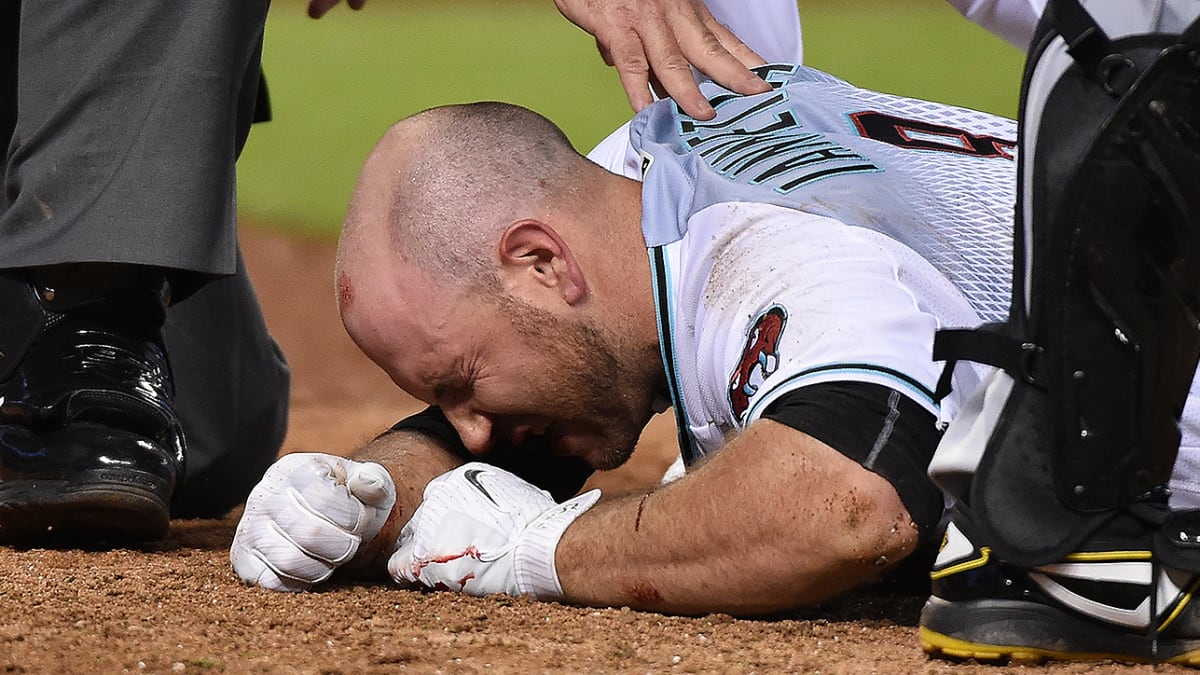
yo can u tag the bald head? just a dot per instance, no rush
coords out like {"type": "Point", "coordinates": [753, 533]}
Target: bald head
{"type": "Point", "coordinates": [464, 215]}
{"type": "Point", "coordinates": [442, 185]}
{"type": "Point", "coordinates": [492, 270]}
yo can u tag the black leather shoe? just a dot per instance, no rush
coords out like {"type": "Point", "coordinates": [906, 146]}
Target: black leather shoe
{"type": "Point", "coordinates": [90, 446]}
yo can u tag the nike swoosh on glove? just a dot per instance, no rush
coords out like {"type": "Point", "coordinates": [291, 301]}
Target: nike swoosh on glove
{"type": "Point", "coordinates": [483, 530]}
{"type": "Point", "coordinates": [307, 517]}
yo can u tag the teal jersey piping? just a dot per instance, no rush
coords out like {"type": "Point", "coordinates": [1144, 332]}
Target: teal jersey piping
{"type": "Point", "coordinates": [663, 308]}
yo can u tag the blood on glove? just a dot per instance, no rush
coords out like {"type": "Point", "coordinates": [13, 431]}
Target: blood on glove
{"type": "Point", "coordinates": [483, 530]}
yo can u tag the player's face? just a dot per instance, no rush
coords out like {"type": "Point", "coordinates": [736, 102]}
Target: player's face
{"type": "Point", "coordinates": [511, 371]}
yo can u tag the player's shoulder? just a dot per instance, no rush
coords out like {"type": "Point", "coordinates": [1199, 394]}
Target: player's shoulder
{"type": "Point", "coordinates": [743, 257]}
{"type": "Point", "coordinates": [731, 229]}
{"type": "Point", "coordinates": [739, 254]}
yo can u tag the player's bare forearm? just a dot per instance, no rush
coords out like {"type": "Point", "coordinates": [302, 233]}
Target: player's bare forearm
{"type": "Point", "coordinates": [775, 521]}
{"type": "Point", "coordinates": [412, 459]}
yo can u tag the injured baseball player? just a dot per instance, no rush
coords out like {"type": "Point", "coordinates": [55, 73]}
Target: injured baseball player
{"type": "Point", "coordinates": [777, 276]}
{"type": "Point", "coordinates": [774, 275]}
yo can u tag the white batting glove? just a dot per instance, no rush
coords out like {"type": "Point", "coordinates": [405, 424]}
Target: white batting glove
{"type": "Point", "coordinates": [307, 517]}
{"type": "Point", "coordinates": [482, 530]}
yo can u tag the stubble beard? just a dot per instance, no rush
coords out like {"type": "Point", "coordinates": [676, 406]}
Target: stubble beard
{"type": "Point", "coordinates": [594, 388]}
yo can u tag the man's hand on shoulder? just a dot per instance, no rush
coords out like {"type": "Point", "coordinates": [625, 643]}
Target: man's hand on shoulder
{"type": "Point", "coordinates": [653, 42]}
{"type": "Point", "coordinates": [308, 516]}
{"type": "Point", "coordinates": [659, 41]}
{"type": "Point", "coordinates": [483, 530]}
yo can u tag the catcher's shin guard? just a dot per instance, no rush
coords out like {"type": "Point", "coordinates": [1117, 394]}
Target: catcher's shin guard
{"type": "Point", "coordinates": [1102, 341]}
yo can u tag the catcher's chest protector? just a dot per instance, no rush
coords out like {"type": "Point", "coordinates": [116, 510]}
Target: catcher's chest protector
{"type": "Point", "coordinates": [1101, 345]}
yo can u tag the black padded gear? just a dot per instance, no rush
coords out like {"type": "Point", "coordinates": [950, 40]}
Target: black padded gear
{"type": "Point", "coordinates": [1106, 286]}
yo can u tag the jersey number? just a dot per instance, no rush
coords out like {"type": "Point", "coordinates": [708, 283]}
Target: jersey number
{"type": "Point", "coordinates": [918, 135]}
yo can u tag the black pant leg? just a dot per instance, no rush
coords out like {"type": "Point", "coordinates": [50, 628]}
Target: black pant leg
{"type": "Point", "coordinates": [232, 388]}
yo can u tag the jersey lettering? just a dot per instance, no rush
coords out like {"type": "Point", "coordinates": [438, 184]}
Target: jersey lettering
{"type": "Point", "coordinates": [777, 152]}
{"type": "Point", "coordinates": [775, 74]}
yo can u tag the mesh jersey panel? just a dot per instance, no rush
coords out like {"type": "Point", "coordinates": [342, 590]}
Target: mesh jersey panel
{"type": "Point", "coordinates": [940, 179]}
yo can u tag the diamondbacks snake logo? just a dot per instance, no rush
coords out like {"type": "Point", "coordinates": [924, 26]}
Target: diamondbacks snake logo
{"type": "Point", "coordinates": [760, 358]}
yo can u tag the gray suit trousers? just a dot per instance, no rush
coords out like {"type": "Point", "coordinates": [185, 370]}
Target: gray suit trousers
{"type": "Point", "coordinates": [123, 122]}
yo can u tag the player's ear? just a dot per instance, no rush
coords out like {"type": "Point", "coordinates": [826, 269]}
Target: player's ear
{"type": "Point", "coordinates": [532, 251]}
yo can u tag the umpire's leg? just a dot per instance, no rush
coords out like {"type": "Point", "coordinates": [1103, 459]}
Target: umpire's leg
{"type": "Point", "coordinates": [130, 134]}
{"type": "Point", "coordinates": [231, 386]}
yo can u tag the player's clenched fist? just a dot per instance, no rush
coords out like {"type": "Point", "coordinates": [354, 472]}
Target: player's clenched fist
{"type": "Point", "coordinates": [483, 530]}
{"type": "Point", "coordinates": [308, 516]}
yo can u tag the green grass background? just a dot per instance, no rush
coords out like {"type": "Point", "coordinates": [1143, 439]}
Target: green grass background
{"type": "Point", "coordinates": [336, 84]}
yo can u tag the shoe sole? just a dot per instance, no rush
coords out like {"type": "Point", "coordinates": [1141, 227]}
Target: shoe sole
{"type": "Point", "coordinates": [997, 631]}
{"type": "Point", "coordinates": [98, 506]}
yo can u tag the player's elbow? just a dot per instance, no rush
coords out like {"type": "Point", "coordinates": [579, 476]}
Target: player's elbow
{"type": "Point", "coordinates": [868, 532]}
{"type": "Point", "coordinates": [864, 530]}
{"type": "Point", "coordinates": [876, 529]}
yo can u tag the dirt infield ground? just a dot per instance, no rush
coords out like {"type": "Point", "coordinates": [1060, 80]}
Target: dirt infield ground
{"type": "Point", "coordinates": [178, 608]}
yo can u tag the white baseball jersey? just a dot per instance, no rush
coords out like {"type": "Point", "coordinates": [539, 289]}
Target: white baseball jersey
{"type": "Point", "coordinates": [816, 233]}
{"type": "Point", "coordinates": [822, 232]}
